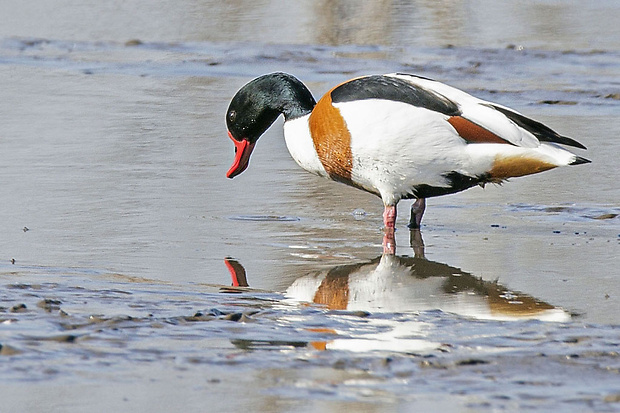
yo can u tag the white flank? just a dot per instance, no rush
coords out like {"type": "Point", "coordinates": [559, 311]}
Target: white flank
{"type": "Point", "coordinates": [397, 146]}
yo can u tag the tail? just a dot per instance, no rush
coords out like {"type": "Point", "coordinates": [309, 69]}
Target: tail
{"type": "Point", "coordinates": [508, 161]}
{"type": "Point", "coordinates": [579, 160]}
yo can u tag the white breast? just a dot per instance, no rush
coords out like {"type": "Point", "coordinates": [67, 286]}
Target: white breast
{"type": "Point", "coordinates": [301, 147]}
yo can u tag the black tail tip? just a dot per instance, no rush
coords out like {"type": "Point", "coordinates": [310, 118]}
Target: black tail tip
{"type": "Point", "coordinates": [579, 160]}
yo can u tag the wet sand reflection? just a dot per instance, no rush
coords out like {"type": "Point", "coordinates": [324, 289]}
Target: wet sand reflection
{"type": "Point", "coordinates": [398, 284]}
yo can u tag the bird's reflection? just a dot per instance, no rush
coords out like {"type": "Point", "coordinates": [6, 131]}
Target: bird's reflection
{"type": "Point", "coordinates": [391, 283]}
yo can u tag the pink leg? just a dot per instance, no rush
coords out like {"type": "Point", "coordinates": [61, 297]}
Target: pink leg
{"type": "Point", "coordinates": [389, 216]}
{"type": "Point", "coordinates": [389, 222]}
{"type": "Point", "coordinates": [417, 211]}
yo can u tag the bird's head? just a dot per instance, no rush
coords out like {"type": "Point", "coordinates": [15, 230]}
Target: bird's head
{"type": "Point", "coordinates": [256, 106]}
{"type": "Point", "coordinates": [252, 110]}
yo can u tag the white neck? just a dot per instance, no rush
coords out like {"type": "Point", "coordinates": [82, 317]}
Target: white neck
{"type": "Point", "coordinates": [301, 146]}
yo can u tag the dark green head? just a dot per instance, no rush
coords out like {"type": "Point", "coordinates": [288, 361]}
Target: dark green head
{"type": "Point", "coordinates": [257, 105]}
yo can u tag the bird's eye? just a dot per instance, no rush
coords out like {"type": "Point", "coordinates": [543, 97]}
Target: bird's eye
{"type": "Point", "coordinates": [232, 115]}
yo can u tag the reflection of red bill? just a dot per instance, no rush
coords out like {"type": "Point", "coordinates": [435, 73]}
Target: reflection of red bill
{"type": "Point", "coordinates": [243, 150]}
{"type": "Point", "coordinates": [237, 272]}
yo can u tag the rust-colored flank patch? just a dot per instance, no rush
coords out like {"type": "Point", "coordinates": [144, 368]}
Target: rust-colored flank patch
{"type": "Point", "coordinates": [332, 139]}
{"type": "Point", "coordinates": [474, 133]}
{"type": "Point", "coordinates": [513, 166]}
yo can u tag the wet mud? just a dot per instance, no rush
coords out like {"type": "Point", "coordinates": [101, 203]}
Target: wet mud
{"type": "Point", "coordinates": [487, 349]}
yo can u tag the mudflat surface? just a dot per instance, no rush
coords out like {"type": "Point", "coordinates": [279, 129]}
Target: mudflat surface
{"type": "Point", "coordinates": [121, 232]}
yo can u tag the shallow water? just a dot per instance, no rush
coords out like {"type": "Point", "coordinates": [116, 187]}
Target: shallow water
{"type": "Point", "coordinates": [121, 232]}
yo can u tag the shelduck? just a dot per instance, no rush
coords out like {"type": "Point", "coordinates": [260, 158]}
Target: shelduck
{"type": "Point", "coordinates": [398, 136]}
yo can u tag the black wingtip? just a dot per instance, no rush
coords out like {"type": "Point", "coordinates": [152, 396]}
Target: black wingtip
{"type": "Point", "coordinates": [542, 132]}
{"type": "Point", "coordinates": [565, 140]}
{"type": "Point", "coordinates": [579, 160]}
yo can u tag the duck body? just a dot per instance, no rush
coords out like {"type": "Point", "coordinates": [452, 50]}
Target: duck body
{"type": "Point", "coordinates": [398, 136]}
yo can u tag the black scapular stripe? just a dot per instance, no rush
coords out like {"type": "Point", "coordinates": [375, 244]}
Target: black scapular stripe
{"type": "Point", "coordinates": [391, 88]}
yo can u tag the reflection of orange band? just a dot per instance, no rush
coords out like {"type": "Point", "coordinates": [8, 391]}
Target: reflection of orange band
{"type": "Point", "coordinates": [322, 330]}
{"type": "Point", "coordinates": [321, 345]}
